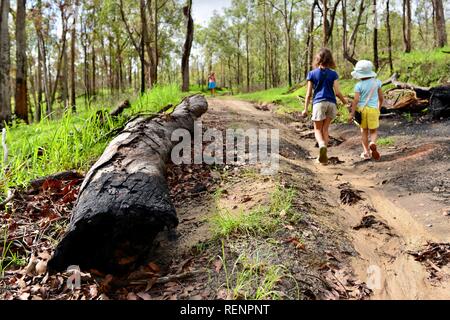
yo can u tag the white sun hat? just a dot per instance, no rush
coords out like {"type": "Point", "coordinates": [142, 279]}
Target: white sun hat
{"type": "Point", "coordinates": [363, 69]}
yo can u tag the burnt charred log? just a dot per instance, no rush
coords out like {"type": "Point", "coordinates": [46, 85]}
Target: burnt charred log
{"type": "Point", "coordinates": [436, 99]}
{"type": "Point", "coordinates": [124, 201]}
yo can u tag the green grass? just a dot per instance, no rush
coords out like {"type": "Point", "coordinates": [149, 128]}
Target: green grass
{"type": "Point", "coordinates": [253, 277]}
{"type": "Point", "coordinates": [260, 221]}
{"type": "Point", "coordinates": [254, 222]}
{"type": "Point", "coordinates": [388, 141]}
{"type": "Point", "coordinates": [8, 258]}
{"type": "Point", "coordinates": [74, 141]}
{"type": "Point", "coordinates": [408, 116]}
{"type": "Point", "coordinates": [424, 68]}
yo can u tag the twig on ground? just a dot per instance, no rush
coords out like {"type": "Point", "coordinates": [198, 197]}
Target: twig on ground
{"type": "Point", "coordinates": [11, 195]}
{"type": "Point", "coordinates": [170, 278]}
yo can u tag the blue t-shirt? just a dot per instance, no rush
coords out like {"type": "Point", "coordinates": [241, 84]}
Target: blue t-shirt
{"type": "Point", "coordinates": [324, 92]}
{"type": "Point", "coordinates": [364, 87]}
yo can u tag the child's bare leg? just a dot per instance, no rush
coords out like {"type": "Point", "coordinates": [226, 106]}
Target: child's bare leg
{"type": "Point", "coordinates": [365, 140]}
{"type": "Point", "coordinates": [325, 130]}
{"type": "Point", "coordinates": [373, 146]}
{"type": "Point", "coordinates": [318, 127]}
{"type": "Point", "coordinates": [373, 135]}
{"type": "Point", "coordinates": [318, 132]}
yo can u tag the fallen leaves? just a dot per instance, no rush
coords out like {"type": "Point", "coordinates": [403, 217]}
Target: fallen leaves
{"type": "Point", "coordinates": [297, 243]}
{"type": "Point", "coordinates": [341, 282]}
{"type": "Point", "coordinates": [218, 264]}
{"type": "Point", "coordinates": [434, 256]}
{"type": "Point", "coordinates": [348, 195]}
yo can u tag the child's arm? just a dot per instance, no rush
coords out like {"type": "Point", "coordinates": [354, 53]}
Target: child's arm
{"type": "Point", "coordinates": [354, 104]}
{"type": "Point", "coordinates": [307, 99]}
{"type": "Point", "coordinates": [380, 98]}
{"type": "Point", "coordinates": [337, 91]}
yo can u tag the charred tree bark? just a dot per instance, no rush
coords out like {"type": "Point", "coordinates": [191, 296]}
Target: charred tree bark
{"type": "Point", "coordinates": [124, 201]}
{"type": "Point", "coordinates": [187, 10]}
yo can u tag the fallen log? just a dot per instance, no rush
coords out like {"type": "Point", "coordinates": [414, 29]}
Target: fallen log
{"type": "Point", "coordinates": [436, 99]}
{"type": "Point", "coordinates": [120, 108]}
{"type": "Point", "coordinates": [295, 87]}
{"type": "Point", "coordinates": [124, 201]}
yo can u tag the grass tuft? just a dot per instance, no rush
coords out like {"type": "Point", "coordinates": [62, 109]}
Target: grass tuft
{"type": "Point", "coordinates": [260, 221]}
{"type": "Point", "coordinates": [388, 141]}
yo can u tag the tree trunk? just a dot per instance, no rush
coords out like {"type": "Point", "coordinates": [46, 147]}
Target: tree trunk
{"type": "Point", "coordinates": [145, 43]}
{"type": "Point", "coordinates": [138, 44]}
{"type": "Point", "coordinates": [238, 69]}
{"type": "Point", "coordinates": [266, 49]}
{"type": "Point", "coordinates": [187, 10]}
{"type": "Point", "coordinates": [73, 102]}
{"type": "Point", "coordinates": [46, 81]}
{"type": "Point", "coordinates": [87, 91]}
{"type": "Point", "coordinates": [289, 58]}
{"type": "Point", "coordinates": [407, 25]}
{"type": "Point", "coordinates": [65, 81]}
{"type": "Point", "coordinates": [124, 201]}
{"type": "Point", "coordinates": [375, 35]}
{"type": "Point", "coordinates": [156, 41]}
{"type": "Point", "coordinates": [441, 33]}
{"type": "Point", "coordinates": [310, 41]}
{"type": "Point", "coordinates": [94, 68]}
{"type": "Point", "coordinates": [61, 57]}
{"type": "Point", "coordinates": [349, 47]}
{"type": "Point", "coordinates": [247, 54]}
{"type": "Point", "coordinates": [142, 59]}
{"type": "Point", "coordinates": [325, 23]}
{"type": "Point", "coordinates": [389, 35]}
{"type": "Point", "coordinates": [38, 107]}
{"type": "Point", "coordinates": [21, 94]}
{"type": "Point", "coordinates": [5, 93]}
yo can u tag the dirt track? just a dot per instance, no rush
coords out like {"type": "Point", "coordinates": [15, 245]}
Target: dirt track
{"type": "Point", "coordinates": [397, 194]}
{"type": "Point", "coordinates": [350, 230]}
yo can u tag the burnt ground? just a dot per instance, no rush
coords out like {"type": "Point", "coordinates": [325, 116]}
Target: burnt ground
{"type": "Point", "coordinates": [307, 232]}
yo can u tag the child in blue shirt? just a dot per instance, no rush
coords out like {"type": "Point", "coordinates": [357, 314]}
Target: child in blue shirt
{"type": "Point", "coordinates": [324, 81]}
{"type": "Point", "coordinates": [368, 100]}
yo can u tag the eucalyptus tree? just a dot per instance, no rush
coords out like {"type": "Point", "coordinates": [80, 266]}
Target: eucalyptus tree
{"type": "Point", "coordinates": [5, 94]}
{"type": "Point", "coordinates": [21, 94]}
{"type": "Point", "coordinates": [440, 27]}
{"type": "Point", "coordinates": [286, 9]}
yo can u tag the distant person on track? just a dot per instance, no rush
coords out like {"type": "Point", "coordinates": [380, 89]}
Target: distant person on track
{"type": "Point", "coordinates": [324, 81]}
{"type": "Point", "coordinates": [212, 83]}
{"type": "Point", "coordinates": [368, 101]}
